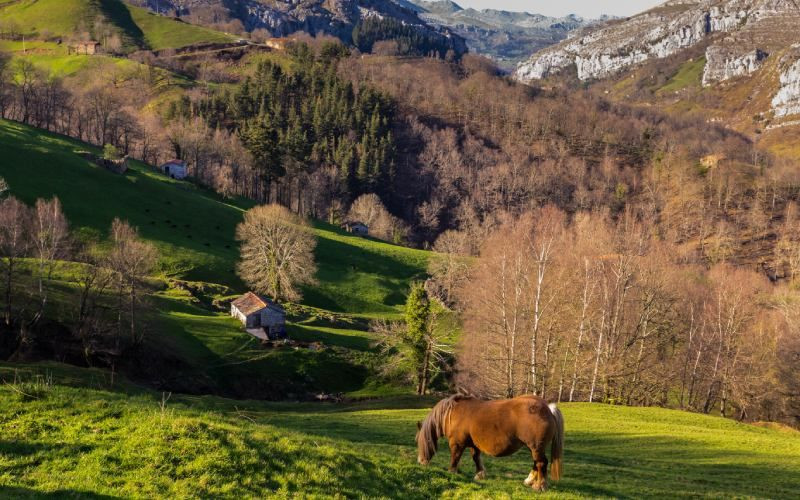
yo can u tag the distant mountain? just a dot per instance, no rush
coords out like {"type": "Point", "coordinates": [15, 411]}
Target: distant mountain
{"type": "Point", "coordinates": [332, 17]}
{"type": "Point", "coordinates": [506, 37]}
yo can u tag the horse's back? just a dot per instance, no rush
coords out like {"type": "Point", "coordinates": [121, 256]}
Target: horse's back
{"type": "Point", "coordinates": [501, 427]}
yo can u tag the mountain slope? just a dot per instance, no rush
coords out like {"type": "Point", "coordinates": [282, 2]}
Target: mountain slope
{"type": "Point", "coordinates": [193, 228]}
{"type": "Point", "coordinates": [193, 344]}
{"type": "Point", "coordinates": [316, 17]}
{"type": "Point", "coordinates": [735, 61]}
{"type": "Point", "coordinates": [62, 441]}
{"type": "Point", "coordinates": [506, 37]}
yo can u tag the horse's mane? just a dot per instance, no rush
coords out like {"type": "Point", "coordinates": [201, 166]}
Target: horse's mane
{"type": "Point", "coordinates": [433, 427]}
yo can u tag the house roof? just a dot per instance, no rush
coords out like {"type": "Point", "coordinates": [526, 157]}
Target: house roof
{"type": "Point", "coordinates": [175, 162]}
{"type": "Point", "coordinates": [354, 223]}
{"type": "Point", "coordinates": [250, 303]}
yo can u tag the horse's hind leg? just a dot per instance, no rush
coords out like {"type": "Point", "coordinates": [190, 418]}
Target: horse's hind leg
{"type": "Point", "coordinates": [537, 479]}
{"type": "Point", "coordinates": [480, 470]}
{"type": "Point", "coordinates": [456, 449]}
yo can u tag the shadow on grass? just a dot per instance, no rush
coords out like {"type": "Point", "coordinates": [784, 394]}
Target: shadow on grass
{"type": "Point", "coordinates": [20, 492]}
{"type": "Point", "coordinates": [306, 334]}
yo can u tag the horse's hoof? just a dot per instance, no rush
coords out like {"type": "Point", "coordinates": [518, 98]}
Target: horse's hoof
{"type": "Point", "coordinates": [480, 476]}
{"type": "Point", "coordinates": [540, 487]}
{"type": "Point", "coordinates": [530, 479]}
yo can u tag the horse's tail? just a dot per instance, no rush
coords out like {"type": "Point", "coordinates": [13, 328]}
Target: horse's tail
{"type": "Point", "coordinates": [557, 447]}
{"type": "Point", "coordinates": [433, 427]}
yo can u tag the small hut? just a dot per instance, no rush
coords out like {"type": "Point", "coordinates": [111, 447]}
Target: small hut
{"type": "Point", "coordinates": [88, 48]}
{"type": "Point", "coordinates": [356, 227]}
{"type": "Point", "coordinates": [175, 169]}
{"type": "Point", "coordinates": [260, 313]}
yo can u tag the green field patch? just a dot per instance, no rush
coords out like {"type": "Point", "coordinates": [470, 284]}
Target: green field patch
{"type": "Point", "coordinates": [689, 75]}
{"type": "Point", "coordinates": [91, 441]}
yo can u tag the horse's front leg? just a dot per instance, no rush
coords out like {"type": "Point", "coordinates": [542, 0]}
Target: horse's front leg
{"type": "Point", "coordinates": [480, 470]}
{"type": "Point", "coordinates": [456, 449]}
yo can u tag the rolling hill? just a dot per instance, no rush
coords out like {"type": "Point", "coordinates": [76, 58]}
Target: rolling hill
{"type": "Point", "coordinates": [201, 349]}
{"type": "Point", "coordinates": [137, 28]}
{"type": "Point", "coordinates": [67, 432]}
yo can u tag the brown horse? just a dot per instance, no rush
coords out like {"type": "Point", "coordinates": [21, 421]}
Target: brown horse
{"type": "Point", "coordinates": [498, 428]}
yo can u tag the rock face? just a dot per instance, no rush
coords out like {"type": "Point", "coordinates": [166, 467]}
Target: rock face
{"type": "Point", "coordinates": [725, 62]}
{"type": "Point", "coordinates": [284, 17]}
{"type": "Point", "coordinates": [787, 101]}
{"type": "Point", "coordinates": [507, 37]}
{"type": "Point", "coordinates": [661, 32]}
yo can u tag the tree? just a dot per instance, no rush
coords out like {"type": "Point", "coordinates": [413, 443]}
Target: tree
{"type": "Point", "coordinates": [15, 241]}
{"type": "Point", "coordinates": [369, 209]}
{"type": "Point", "coordinates": [448, 266]}
{"type": "Point", "coordinates": [50, 233]}
{"type": "Point", "coordinates": [414, 348]}
{"type": "Point", "coordinates": [132, 260]}
{"type": "Point", "coordinates": [418, 314]}
{"type": "Point", "coordinates": [277, 252]}
{"type": "Point", "coordinates": [3, 187]}
{"type": "Point", "coordinates": [111, 153]}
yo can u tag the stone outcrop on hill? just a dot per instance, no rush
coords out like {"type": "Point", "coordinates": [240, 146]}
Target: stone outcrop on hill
{"type": "Point", "coordinates": [787, 101]}
{"type": "Point", "coordinates": [725, 62]}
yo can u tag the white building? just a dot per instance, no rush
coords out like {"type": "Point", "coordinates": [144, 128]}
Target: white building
{"type": "Point", "coordinates": [259, 312]}
{"type": "Point", "coordinates": [175, 169]}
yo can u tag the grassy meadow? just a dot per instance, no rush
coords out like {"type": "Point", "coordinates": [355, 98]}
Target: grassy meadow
{"type": "Point", "coordinates": [94, 442]}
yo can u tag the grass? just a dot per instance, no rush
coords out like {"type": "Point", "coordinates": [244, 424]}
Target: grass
{"type": "Point", "coordinates": [161, 32]}
{"type": "Point", "coordinates": [92, 441]}
{"type": "Point", "coordinates": [137, 28]}
{"type": "Point", "coordinates": [689, 75]}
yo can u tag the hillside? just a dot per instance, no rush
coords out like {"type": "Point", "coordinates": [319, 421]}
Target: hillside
{"type": "Point", "coordinates": [200, 348]}
{"type": "Point", "coordinates": [67, 441]}
{"type": "Point", "coordinates": [281, 18]}
{"type": "Point", "coordinates": [102, 20]}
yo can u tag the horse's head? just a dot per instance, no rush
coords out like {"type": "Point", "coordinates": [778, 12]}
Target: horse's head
{"type": "Point", "coordinates": [427, 442]}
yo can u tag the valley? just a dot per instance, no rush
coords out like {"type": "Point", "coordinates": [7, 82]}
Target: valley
{"type": "Point", "coordinates": [614, 228]}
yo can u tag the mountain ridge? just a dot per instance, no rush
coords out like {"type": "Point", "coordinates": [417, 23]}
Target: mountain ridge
{"type": "Point", "coordinates": [505, 36]}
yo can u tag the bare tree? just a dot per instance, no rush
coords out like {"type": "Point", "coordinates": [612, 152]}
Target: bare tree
{"type": "Point", "coordinates": [277, 252]}
{"type": "Point", "coordinates": [132, 260]}
{"type": "Point", "coordinates": [50, 232]}
{"type": "Point", "coordinates": [369, 209]}
{"type": "Point", "coordinates": [448, 267]}
{"type": "Point", "coordinates": [15, 242]}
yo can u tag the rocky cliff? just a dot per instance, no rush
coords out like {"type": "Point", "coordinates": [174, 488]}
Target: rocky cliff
{"type": "Point", "coordinates": [787, 101]}
{"type": "Point", "coordinates": [726, 62]}
{"type": "Point", "coordinates": [666, 30]}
